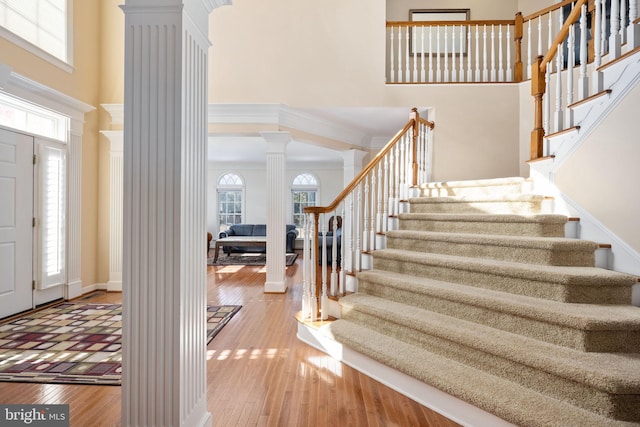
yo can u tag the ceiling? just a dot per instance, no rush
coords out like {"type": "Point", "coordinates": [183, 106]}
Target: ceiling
{"type": "Point", "coordinates": [348, 127]}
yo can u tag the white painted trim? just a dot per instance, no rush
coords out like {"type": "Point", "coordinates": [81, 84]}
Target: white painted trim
{"type": "Point", "coordinates": [116, 111]}
{"type": "Point", "coordinates": [451, 407]}
{"type": "Point", "coordinates": [74, 290]}
{"type": "Point", "coordinates": [281, 115]}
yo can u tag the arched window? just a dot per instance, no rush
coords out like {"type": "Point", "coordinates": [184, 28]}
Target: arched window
{"type": "Point", "coordinates": [230, 200]}
{"type": "Point", "coordinates": [304, 192]}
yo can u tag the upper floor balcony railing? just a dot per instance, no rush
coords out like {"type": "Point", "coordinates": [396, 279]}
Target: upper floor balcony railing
{"type": "Point", "coordinates": [491, 51]}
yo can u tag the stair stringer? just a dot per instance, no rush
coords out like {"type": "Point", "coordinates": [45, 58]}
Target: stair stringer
{"type": "Point", "coordinates": [620, 77]}
{"type": "Point", "coordinates": [449, 406]}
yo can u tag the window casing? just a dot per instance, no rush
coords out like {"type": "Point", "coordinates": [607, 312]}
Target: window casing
{"type": "Point", "coordinates": [304, 192]}
{"type": "Point", "coordinates": [230, 200]}
{"type": "Point", "coordinates": [42, 27]}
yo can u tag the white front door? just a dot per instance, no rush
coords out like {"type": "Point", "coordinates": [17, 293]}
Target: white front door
{"type": "Point", "coordinates": [16, 222]}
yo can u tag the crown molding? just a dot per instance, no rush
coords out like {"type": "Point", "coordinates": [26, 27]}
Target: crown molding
{"type": "Point", "coordinates": [285, 117]}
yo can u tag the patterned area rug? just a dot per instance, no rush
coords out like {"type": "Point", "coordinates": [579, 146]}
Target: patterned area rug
{"type": "Point", "coordinates": [75, 343]}
{"type": "Point", "coordinates": [247, 259]}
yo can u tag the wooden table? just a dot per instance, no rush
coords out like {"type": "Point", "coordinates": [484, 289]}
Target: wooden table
{"type": "Point", "coordinates": [239, 241]}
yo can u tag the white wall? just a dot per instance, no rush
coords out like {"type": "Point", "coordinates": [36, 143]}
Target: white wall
{"type": "Point", "coordinates": [602, 176]}
{"type": "Point", "coordinates": [329, 176]}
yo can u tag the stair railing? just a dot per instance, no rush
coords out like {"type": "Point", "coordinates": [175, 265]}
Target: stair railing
{"type": "Point", "coordinates": [569, 71]}
{"type": "Point", "coordinates": [348, 230]}
{"type": "Point", "coordinates": [450, 51]}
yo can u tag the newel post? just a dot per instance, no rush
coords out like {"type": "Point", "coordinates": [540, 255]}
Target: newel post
{"type": "Point", "coordinates": [517, 37]}
{"type": "Point", "coordinates": [537, 90]}
{"type": "Point", "coordinates": [415, 116]}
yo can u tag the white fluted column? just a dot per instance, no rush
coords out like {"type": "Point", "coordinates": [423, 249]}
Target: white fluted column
{"type": "Point", "coordinates": [74, 213]}
{"type": "Point", "coordinates": [164, 214]}
{"type": "Point", "coordinates": [276, 210]}
{"type": "Point", "coordinates": [115, 208]}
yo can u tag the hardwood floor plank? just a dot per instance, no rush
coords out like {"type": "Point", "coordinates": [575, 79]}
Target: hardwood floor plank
{"type": "Point", "coordinates": [258, 372]}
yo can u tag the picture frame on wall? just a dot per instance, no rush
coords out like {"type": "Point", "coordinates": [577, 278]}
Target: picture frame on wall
{"type": "Point", "coordinates": [456, 35]}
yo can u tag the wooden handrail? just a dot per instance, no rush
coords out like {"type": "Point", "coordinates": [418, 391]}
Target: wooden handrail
{"type": "Point", "coordinates": [374, 162]}
{"type": "Point", "coordinates": [449, 23]}
{"type": "Point", "coordinates": [547, 10]}
{"type": "Point", "coordinates": [562, 34]}
{"type": "Point", "coordinates": [538, 84]}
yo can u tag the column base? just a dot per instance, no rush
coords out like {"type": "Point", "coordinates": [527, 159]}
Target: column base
{"type": "Point", "coordinates": [114, 286]}
{"type": "Point", "coordinates": [275, 288]}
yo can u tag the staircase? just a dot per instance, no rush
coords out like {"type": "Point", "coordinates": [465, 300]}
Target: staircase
{"type": "Point", "coordinates": [481, 296]}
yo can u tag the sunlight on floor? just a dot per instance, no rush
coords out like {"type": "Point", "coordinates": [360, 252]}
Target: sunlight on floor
{"type": "Point", "coordinates": [241, 353]}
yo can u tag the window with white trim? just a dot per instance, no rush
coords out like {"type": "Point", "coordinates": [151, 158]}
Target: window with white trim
{"type": "Point", "coordinates": [304, 192]}
{"type": "Point", "coordinates": [43, 24]}
{"type": "Point", "coordinates": [230, 190]}
{"type": "Point", "coordinates": [52, 213]}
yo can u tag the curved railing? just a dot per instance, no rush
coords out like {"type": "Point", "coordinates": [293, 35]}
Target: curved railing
{"type": "Point", "coordinates": [339, 238]}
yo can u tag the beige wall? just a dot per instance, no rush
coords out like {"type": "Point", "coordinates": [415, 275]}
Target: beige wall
{"type": "Point", "coordinates": [82, 84]}
{"type": "Point", "coordinates": [307, 55]}
{"type": "Point", "coordinates": [603, 174]}
{"type": "Point", "coordinates": [398, 10]}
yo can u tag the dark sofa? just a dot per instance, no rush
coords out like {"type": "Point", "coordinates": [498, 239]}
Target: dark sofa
{"type": "Point", "coordinates": [256, 230]}
{"type": "Point", "coordinates": [329, 242]}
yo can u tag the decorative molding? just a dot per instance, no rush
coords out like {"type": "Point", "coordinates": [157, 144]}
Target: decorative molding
{"type": "Point", "coordinates": [281, 115]}
{"type": "Point", "coordinates": [116, 111]}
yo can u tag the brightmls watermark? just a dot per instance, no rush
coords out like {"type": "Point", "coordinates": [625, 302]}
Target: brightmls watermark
{"type": "Point", "coordinates": [34, 415]}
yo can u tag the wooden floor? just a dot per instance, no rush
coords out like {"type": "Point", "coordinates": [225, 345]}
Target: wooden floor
{"type": "Point", "coordinates": [258, 372]}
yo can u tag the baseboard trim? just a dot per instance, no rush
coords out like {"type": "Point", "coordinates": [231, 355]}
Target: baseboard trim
{"type": "Point", "coordinates": [451, 407]}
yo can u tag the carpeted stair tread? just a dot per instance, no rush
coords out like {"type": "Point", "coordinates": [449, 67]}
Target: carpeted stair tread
{"type": "Point", "coordinates": [542, 225]}
{"type": "Point", "coordinates": [478, 198]}
{"type": "Point", "coordinates": [617, 373]}
{"type": "Point", "coordinates": [487, 217]}
{"type": "Point", "coordinates": [479, 186]}
{"type": "Point", "coordinates": [584, 327]}
{"type": "Point", "coordinates": [492, 203]}
{"type": "Point", "coordinates": [532, 250]}
{"type": "Point", "coordinates": [580, 316]}
{"type": "Point", "coordinates": [506, 399]}
{"type": "Point", "coordinates": [560, 283]}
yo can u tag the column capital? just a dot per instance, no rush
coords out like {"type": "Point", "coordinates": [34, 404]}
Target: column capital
{"type": "Point", "coordinates": [276, 141]}
{"type": "Point", "coordinates": [353, 157]}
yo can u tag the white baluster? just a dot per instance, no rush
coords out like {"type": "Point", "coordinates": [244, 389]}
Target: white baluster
{"type": "Point", "coordinates": [597, 48]}
{"type": "Point", "coordinates": [415, 56]}
{"type": "Point", "coordinates": [343, 271]}
{"type": "Point", "coordinates": [306, 295]}
{"type": "Point", "coordinates": [366, 246]}
{"type": "Point", "coordinates": [509, 69]}
{"type": "Point", "coordinates": [623, 21]}
{"type": "Point", "coordinates": [430, 54]}
{"type": "Point", "coordinates": [400, 77]}
{"type": "Point", "coordinates": [380, 204]}
{"type": "Point", "coordinates": [461, 53]}
{"type": "Point", "coordinates": [500, 59]}
{"type": "Point", "coordinates": [438, 72]}
{"type": "Point", "coordinates": [550, 41]}
{"type": "Point", "coordinates": [358, 230]}
{"type": "Point", "coordinates": [454, 73]}
{"type": "Point", "coordinates": [558, 101]}
{"type": "Point", "coordinates": [323, 268]}
{"type": "Point", "coordinates": [407, 74]}
{"type": "Point", "coordinates": [529, 56]}
{"type": "Point", "coordinates": [604, 48]}
{"type": "Point", "coordinates": [633, 30]}
{"type": "Point", "coordinates": [540, 52]}
{"type": "Point", "coordinates": [446, 55]}
{"type": "Point", "coordinates": [493, 53]}
{"type": "Point", "coordinates": [583, 82]}
{"type": "Point", "coordinates": [422, 75]}
{"type": "Point", "coordinates": [312, 271]}
{"type": "Point", "coordinates": [546, 116]}
{"type": "Point", "coordinates": [614, 36]}
{"type": "Point", "coordinates": [392, 59]}
{"type": "Point", "coordinates": [469, 50]}
{"type": "Point", "coordinates": [477, 79]}
{"type": "Point", "coordinates": [429, 154]}
{"type": "Point", "coordinates": [571, 63]}
{"type": "Point", "coordinates": [373, 210]}
{"type": "Point", "coordinates": [485, 69]}
{"type": "Point", "coordinates": [385, 196]}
